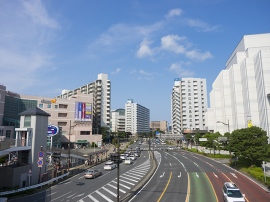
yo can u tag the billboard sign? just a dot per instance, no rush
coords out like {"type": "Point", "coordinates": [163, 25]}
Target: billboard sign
{"type": "Point", "coordinates": [52, 130]}
{"type": "Point", "coordinates": [83, 111]}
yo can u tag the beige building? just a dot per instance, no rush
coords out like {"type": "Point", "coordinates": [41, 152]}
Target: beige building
{"type": "Point", "coordinates": [73, 115]}
{"type": "Point", "coordinates": [101, 107]}
{"type": "Point", "coordinates": [161, 125]}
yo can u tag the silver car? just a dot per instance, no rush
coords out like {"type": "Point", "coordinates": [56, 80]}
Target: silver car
{"type": "Point", "coordinates": [90, 174]}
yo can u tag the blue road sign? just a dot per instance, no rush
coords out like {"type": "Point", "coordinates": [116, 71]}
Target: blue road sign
{"type": "Point", "coordinates": [40, 154]}
{"type": "Point", "coordinates": [40, 162]}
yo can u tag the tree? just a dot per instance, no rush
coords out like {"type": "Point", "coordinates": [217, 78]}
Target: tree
{"type": "Point", "coordinates": [250, 144]}
{"type": "Point", "coordinates": [104, 131]}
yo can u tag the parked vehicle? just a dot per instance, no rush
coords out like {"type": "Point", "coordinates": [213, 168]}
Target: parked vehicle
{"type": "Point", "coordinates": [90, 174]}
{"type": "Point", "coordinates": [110, 165]}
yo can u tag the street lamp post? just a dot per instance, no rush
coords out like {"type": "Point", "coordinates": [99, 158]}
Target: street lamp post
{"type": "Point", "coordinates": [70, 126]}
{"type": "Point", "coordinates": [227, 124]}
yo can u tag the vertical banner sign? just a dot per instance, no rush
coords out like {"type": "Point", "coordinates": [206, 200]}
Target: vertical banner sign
{"type": "Point", "coordinates": [249, 122]}
{"type": "Point", "coordinates": [83, 111]}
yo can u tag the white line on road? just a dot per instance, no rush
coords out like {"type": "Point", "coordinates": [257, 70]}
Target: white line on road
{"type": "Point", "coordinates": [162, 174]}
{"type": "Point", "coordinates": [115, 195]}
{"type": "Point", "coordinates": [233, 174]}
{"type": "Point", "coordinates": [197, 175]}
{"type": "Point", "coordinates": [91, 197]}
{"type": "Point", "coordinates": [103, 196]}
{"type": "Point", "coordinates": [215, 175]}
{"type": "Point", "coordinates": [116, 188]}
{"type": "Point", "coordinates": [179, 175]}
{"type": "Point", "coordinates": [61, 196]}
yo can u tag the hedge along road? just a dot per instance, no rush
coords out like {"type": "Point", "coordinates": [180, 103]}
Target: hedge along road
{"type": "Point", "coordinates": [200, 188]}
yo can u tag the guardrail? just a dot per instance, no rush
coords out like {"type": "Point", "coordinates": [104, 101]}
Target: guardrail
{"type": "Point", "coordinates": [33, 186]}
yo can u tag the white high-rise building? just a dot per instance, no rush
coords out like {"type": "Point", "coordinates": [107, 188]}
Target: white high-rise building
{"type": "Point", "coordinates": [137, 118]}
{"type": "Point", "coordinates": [188, 104]}
{"type": "Point", "coordinates": [118, 120]}
{"type": "Point", "coordinates": [101, 90]}
{"type": "Point", "coordinates": [241, 92]}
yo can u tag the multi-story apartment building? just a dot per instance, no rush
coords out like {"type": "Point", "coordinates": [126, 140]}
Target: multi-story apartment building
{"type": "Point", "coordinates": [101, 90]}
{"type": "Point", "coordinates": [118, 120]}
{"type": "Point", "coordinates": [241, 92]}
{"type": "Point", "coordinates": [188, 104]}
{"type": "Point", "coordinates": [137, 118]}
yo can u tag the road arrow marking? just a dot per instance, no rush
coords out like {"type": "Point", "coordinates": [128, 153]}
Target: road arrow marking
{"type": "Point", "coordinates": [215, 175]}
{"type": "Point", "coordinates": [234, 175]}
{"type": "Point", "coordinates": [197, 175]}
{"type": "Point", "coordinates": [162, 174]}
{"type": "Point", "coordinates": [179, 175]}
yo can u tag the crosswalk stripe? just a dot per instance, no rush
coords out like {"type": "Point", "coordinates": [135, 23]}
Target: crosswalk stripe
{"type": "Point", "coordinates": [103, 196]}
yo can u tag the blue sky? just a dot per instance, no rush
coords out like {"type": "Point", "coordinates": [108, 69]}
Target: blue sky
{"type": "Point", "coordinates": [47, 46]}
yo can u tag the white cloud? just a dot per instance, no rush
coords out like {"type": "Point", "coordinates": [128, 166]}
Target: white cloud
{"type": "Point", "coordinates": [180, 71]}
{"type": "Point", "coordinates": [171, 43]}
{"type": "Point", "coordinates": [202, 26]}
{"type": "Point", "coordinates": [26, 30]}
{"type": "Point", "coordinates": [116, 71]}
{"type": "Point", "coordinates": [194, 54]}
{"type": "Point", "coordinates": [174, 12]}
{"type": "Point", "coordinates": [37, 12]}
{"type": "Point", "coordinates": [144, 49]}
{"type": "Point", "coordinates": [123, 35]}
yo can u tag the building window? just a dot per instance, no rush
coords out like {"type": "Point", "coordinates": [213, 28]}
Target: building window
{"type": "Point", "coordinates": [62, 114]}
{"type": "Point", "coordinates": [27, 121]}
{"type": "Point", "coordinates": [56, 106]}
{"type": "Point", "coordinates": [62, 106]}
{"type": "Point", "coordinates": [62, 123]}
{"type": "Point", "coordinates": [8, 133]}
{"type": "Point", "coordinates": [84, 132]}
{"type": "Point", "coordinates": [49, 106]}
{"type": "Point", "coordinates": [40, 105]}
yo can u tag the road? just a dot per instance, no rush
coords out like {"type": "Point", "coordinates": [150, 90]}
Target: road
{"type": "Point", "coordinates": [180, 176]}
{"type": "Point", "coordinates": [185, 176]}
{"type": "Point", "coordinates": [102, 188]}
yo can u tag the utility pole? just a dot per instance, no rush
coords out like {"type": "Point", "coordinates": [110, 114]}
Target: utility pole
{"type": "Point", "coordinates": [118, 159]}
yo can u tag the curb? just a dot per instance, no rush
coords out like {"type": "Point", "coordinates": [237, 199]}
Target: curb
{"type": "Point", "coordinates": [138, 187]}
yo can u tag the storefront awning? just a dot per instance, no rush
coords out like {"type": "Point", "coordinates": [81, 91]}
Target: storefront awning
{"type": "Point", "coordinates": [81, 141]}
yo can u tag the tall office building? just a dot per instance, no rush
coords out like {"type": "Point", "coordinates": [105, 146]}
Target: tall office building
{"type": "Point", "coordinates": [188, 104]}
{"type": "Point", "coordinates": [241, 92]}
{"type": "Point", "coordinates": [137, 118]}
{"type": "Point", "coordinates": [118, 120]}
{"type": "Point", "coordinates": [159, 125]}
{"type": "Point", "coordinates": [101, 90]}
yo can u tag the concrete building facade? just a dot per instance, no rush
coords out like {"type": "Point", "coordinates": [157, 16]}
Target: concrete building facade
{"type": "Point", "coordinates": [118, 120]}
{"type": "Point", "coordinates": [101, 91]}
{"type": "Point", "coordinates": [241, 92]}
{"type": "Point", "coordinates": [188, 104]}
{"type": "Point", "coordinates": [161, 125]}
{"type": "Point", "coordinates": [137, 118]}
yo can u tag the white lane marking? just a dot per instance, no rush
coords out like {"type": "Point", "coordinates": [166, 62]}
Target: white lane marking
{"type": "Point", "coordinates": [52, 193]}
{"type": "Point", "coordinates": [134, 174]}
{"type": "Point", "coordinates": [122, 185]}
{"type": "Point", "coordinates": [233, 174]}
{"type": "Point", "coordinates": [115, 187]}
{"type": "Point", "coordinates": [126, 182]}
{"type": "Point", "coordinates": [91, 197]}
{"type": "Point", "coordinates": [115, 195]}
{"type": "Point", "coordinates": [162, 174]}
{"type": "Point", "coordinates": [103, 196]}
{"type": "Point", "coordinates": [129, 179]}
{"type": "Point", "coordinates": [61, 196]}
{"type": "Point", "coordinates": [215, 175]}
{"type": "Point", "coordinates": [71, 195]}
{"type": "Point", "coordinates": [78, 195]}
{"type": "Point", "coordinates": [170, 164]}
{"type": "Point", "coordinates": [138, 178]}
{"type": "Point", "coordinates": [197, 175]}
{"type": "Point", "coordinates": [179, 175]}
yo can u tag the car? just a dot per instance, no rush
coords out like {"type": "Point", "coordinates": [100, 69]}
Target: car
{"type": "Point", "coordinates": [123, 156]}
{"type": "Point", "coordinates": [90, 174]}
{"type": "Point", "coordinates": [132, 157]}
{"type": "Point", "coordinates": [137, 154]}
{"type": "Point", "coordinates": [232, 193]}
{"type": "Point", "coordinates": [128, 161]}
{"type": "Point", "coordinates": [110, 165]}
{"type": "Point", "coordinates": [170, 148]}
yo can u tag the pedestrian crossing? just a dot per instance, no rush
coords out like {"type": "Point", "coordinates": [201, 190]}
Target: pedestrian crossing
{"type": "Point", "coordinates": [127, 181]}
